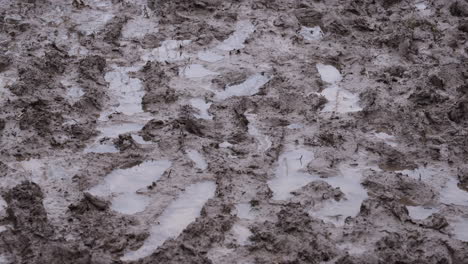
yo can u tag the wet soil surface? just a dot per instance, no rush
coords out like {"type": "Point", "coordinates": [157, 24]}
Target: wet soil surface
{"type": "Point", "coordinates": [244, 132]}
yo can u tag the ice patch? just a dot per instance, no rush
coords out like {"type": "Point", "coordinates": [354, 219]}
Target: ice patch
{"type": "Point", "coordinates": [196, 71]}
{"type": "Point", "coordinates": [197, 158]}
{"type": "Point", "coordinates": [122, 184]}
{"type": "Point", "coordinates": [209, 56]}
{"type": "Point", "coordinates": [170, 50]}
{"type": "Point", "coordinates": [420, 212]}
{"type": "Point", "coordinates": [241, 234]}
{"type": "Point", "coordinates": [329, 73]}
{"type": "Point", "coordinates": [451, 194]}
{"type": "Point", "coordinates": [139, 27]}
{"type": "Point", "coordinates": [339, 100]}
{"type": "Point", "coordinates": [250, 86]}
{"type": "Point", "coordinates": [129, 203]}
{"type": "Point", "coordinates": [314, 33]}
{"type": "Point", "coordinates": [264, 143]}
{"type": "Point", "coordinates": [203, 107]}
{"type": "Point", "coordinates": [291, 173]}
{"type": "Point", "coordinates": [175, 218]}
{"type": "Point", "coordinates": [236, 41]}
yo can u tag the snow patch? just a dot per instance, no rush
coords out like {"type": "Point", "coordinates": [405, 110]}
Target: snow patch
{"type": "Point", "coordinates": [249, 87]}
{"type": "Point", "coordinates": [175, 218]}
{"type": "Point", "coordinates": [122, 184]}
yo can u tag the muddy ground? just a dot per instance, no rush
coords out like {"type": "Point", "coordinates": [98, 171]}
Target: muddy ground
{"type": "Point", "coordinates": [243, 131]}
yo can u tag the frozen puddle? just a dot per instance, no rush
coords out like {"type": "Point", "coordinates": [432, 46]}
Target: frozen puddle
{"type": "Point", "coordinates": [196, 71]}
{"type": "Point", "coordinates": [236, 41]}
{"type": "Point", "coordinates": [126, 92]}
{"type": "Point", "coordinates": [291, 173]}
{"type": "Point", "coordinates": [249, 87]}
{"type": "Point", "coordinates": [349, 182]}
{"type": "Point", "coordinates": [446, 185]}
{"type": "Point", "coordinates": [170, 51]}
{"type": "Point", "coordinates": [202, 107]}
{"type": "Point", "coordinates": [314, 33]}
{"type": "Point", "coordinates": [339, 100]}
{"type": "Point", "coordinates": [263, 142]}
{"type": "Point", "coordinates": [197, 158]}
{"type": "Point", "coordinates": [126, 96]}
{"type": "Point", "coordinates": [175, 218]}
{"type": "Point", "coordinates": [460, 228]}
{"type": "Point", "coordinates": [121, 185]}
{"type": "Point", "coordinates": [420, 212]}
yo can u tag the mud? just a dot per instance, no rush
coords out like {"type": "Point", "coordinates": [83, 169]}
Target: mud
{"type": "Point", "coordinates": [247, 131]}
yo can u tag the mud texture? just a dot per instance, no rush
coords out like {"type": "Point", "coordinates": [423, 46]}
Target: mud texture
{"type": "Point", "coordinates": [232, 93]}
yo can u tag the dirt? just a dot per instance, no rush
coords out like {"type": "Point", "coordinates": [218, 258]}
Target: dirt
{"type": "Point", "coordinates": [334, 131]}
